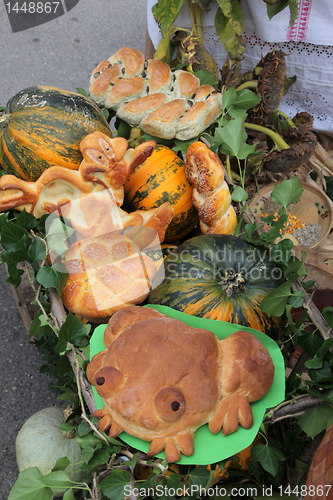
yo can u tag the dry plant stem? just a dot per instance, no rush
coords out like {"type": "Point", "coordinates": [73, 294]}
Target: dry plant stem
{"type": "Point", "coordinates": [144, 462]}
{"type": "Point", "coordinates": [26, 268]}
{"type": "Point", "coordinates": [58, 311]}
{"type": "Point", "coordinates": [314, 314]}
{"type": "Point", "coordinates": [293, 409]}
{"type": "Point", "coordinates": [94, 428]}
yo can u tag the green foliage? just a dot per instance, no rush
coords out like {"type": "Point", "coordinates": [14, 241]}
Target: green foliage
{"type": "Point", "coordinates": [276, 7]}
{"type": "Point", "coordinates": [268, 457]}
{"type": "Point", "coordinates": [33, 485]}
{"type": "Point", "coordinates": [26, 249]}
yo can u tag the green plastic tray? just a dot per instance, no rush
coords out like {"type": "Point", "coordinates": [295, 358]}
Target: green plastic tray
{"type": "Point", "coordinates": [210, 448]}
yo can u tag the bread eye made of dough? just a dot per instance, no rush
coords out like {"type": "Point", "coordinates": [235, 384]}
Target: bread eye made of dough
{"type": "Point", "coordinates": [107, 381]}
{"type": "Point", "coordinates": [170, 404]}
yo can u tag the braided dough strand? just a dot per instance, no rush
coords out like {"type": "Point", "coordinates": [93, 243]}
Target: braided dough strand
{"type": "Point", "coordinates": [210, 192]}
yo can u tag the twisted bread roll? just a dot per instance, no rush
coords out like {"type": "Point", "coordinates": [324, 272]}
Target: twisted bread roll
{"type": "Point", "coordinates": [107, 163]}
{"type": "Point", "coordinates": [148, 94]}
{"type": "Point", "coordinates": [210, 195]}
{"type": "Point", "coordinates": [106, 274]}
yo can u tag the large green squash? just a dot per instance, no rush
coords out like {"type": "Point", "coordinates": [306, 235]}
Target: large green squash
{"type": "Point", "coordinates": [219, 277]}
{"type": "Point", "coordinates": [43, 126]}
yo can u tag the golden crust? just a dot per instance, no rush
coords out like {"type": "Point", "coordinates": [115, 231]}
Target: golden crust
{"type": "Point", "coordinates": [130, 60]}
{"type": "Point", "coordinates": [102, 84]}
{"type": "Point", "coordinates": [105, 275]}
{"type": "Point", "coordinates": [210, 192]}
{"type": "Point", "coordinates": [107, 163]}
{"type": "Point", "coordinates": [124, 90]}
{"type": "Point", "coordinates": [163, 121]}
{"type": "Point", "coordinates": [159, 76]}
{"type": "Point", "coordinates": [150, 78]}
{"type": "Point", "coordinates": [161, 379]}
{"type": "Point", "coordinates": [135, 111]}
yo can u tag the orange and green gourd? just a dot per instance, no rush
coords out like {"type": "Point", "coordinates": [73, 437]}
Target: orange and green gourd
{"type": "Point", "coordinates": [43, 126]}
{"type": "Point", "coordinates": [159, 179]}
{"type": "Point", "coordinates": [219, 277]}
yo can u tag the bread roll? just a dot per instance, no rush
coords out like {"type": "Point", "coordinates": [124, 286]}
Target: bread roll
{"type": "Point", "coordinates": [106, 274]}
{"type": "Point", "coordinates": [148, 94]}
{"type": "Point", "coordinates": [161, 379]}
{"type": "Point", "coordinates": [210, 192]}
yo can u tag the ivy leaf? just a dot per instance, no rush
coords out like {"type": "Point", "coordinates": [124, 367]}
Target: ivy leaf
{"type": "Point", "coordinates": [73, 331]}
{"type": "Point", "coordinates": [174, 481]}
{"type": "Point", "coordinates": [117, 485]}
{"type": "Point", "coordinates": [200, 477]}
{"type": "Point", "coordinates": [182, 146]}
{"type": "Point", "coordinates": [314, 363]}
{"type": "Point", "coordinates": [61, 463]}
{"type": "Point", "coordinates": [274, 304]}
{"type": "Point", "coordinates": [132, 462]}
{"type": "Point", "coordinates": [288, 191]}
{"type": "Point", "coordinates": [323, 374]}
{"type": "Point", "coordinates": [255, 469]}
{"type": "Point", "coordinates": [12, 237]}
{"type": "Point", "coordinates": [62, 367]}
{"type": "Point", "coordinates": [150, 482]}
{"type": "Point", "coordinates": [250, 229]}
{"type": "Point", "coordinates": [88, 440]}
{"type": "Point", "coordinates": [29, 485]}
{"type": "Point", "coordinates": [87, 453]}
{"type": "Point", "coordinates": [296, 299]}
{"type": "Point", "coordinates": [54, 276]}
{"type": "Point", "coordinates": [268, 457]}
{"type": "Point", "coordinates": [296, 268]}
{"type": "Point", "coordinates": [313, 420]}
{"type": "Point", "coordinates": [309, 342]}
{"type": "Point", "coordinates": [37, 250]}
{"type": "Point", "coordinates": [25, 220]}
{"type": "Point", "coordinates": [12, 259]}
{"type": "Point", "coordinates": [328, 315]}
{"type": "Point", "coordinates": [57, 234]}
{"type": "Point", "coordinates": [57, 480]}
{"type": "Point", "coordinates": [69, 395]}
{"type": "Point", "coordinates": [293, 383]}
{"type": "Point", "coordinates": [281, 252]}
{"type": "Point", "coordinates": [38, 328]}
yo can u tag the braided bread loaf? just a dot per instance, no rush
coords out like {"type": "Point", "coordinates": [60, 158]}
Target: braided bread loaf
{"type": "Point", "coordinates": [106, 274]}
{"type": "Point", "coordinates": [210, 194]}
{"type": "Point", "coordinates": [148, 94]}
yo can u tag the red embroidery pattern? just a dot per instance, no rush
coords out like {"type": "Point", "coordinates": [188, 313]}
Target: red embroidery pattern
{"type": "Point", "coordinates": [297, 32]}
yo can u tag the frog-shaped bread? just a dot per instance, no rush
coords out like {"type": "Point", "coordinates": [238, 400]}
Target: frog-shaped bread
{"type": "Point", "coordinates": [160, 380]}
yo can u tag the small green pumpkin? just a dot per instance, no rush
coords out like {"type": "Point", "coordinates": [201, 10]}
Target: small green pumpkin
{"type": "Point", "coordinates": [40, 443]}
{"type": "Point", "coordinates": [43, 126]}
{"type": "Point", "coordinates": [219, 277]}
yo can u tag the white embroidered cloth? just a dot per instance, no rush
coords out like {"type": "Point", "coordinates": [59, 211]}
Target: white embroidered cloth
{"type": "Point", "coordinates": [308, 45]}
